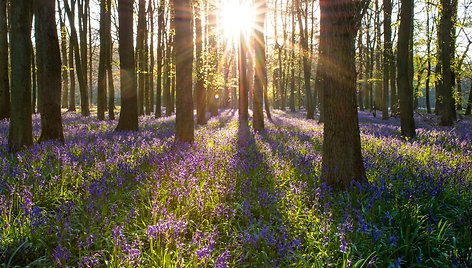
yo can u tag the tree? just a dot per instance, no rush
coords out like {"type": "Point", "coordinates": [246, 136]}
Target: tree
{"type": "Point", "coordinates": [49, 62]}
{"type": "Point", "coordinates": [405, 84]}
{"type": "Point", "coordinates": [102, 65]}
{"type": "Point", "coordinates": [160, 49]}
{"type": "Point", "coordinates": [306, 63]}
{"type": "Point", "coordinates": [243, 81]}
{"type": "Point", "coordinates": [341, 157]}
{"type": "Point", "coordinates": [140, 55]}
{"type": "Point", "coordinates": [65, 76]}
{"type": "Point", "coordinates": [259, 78]}
{"type": "Point", "coordinates": [4, 81]}
{"type": "Point", "coordinates": [200, 91]}
{"type": "Point", "coordinates": [183, 46]}
{"type": "Point", "coordinates": [129, 101]}
{"type": "Point", "coordinates": [446, 107]}
{"type": "Point", "coordinates": [21, 125]}
{"type": "Point", "coordinates": [79, 62]}
{"type": "Point", "coordinates": [387, 55]}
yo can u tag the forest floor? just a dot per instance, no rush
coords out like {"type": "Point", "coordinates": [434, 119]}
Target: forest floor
{"type": "Point", "coordinates": [234, 197]}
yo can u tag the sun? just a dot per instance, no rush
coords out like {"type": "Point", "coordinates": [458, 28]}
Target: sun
{"type": "Point", "coordinates": [236, 16]}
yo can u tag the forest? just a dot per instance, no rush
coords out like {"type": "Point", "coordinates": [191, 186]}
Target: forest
{"type": "Point", "coordinates": [235, 133]}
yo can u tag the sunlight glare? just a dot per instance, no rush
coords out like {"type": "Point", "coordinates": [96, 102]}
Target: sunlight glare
{"type": "Point", "coordinates": [236, 16]}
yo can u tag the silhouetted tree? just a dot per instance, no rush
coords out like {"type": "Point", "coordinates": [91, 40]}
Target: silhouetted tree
{"type": "Point", "coordinates": [129, 101]}
{"type": "Point", "coordinates": [341, 159]}
{"type": "Point", "coordinates": [20, 133]}
{"type": "Point", "coordinates": [183, 46]}
{"type": "Point", "coordinates": [4, 81]}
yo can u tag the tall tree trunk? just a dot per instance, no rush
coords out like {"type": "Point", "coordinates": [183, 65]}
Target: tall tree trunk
{"type": "Point", "coordinates": [102, 68]}
{"type": "Point", "coordinates": [446, 107]}
{"type": "Point", "coordinates": [200, 86]}
{"type": "Point", "coordinates": [49, 55]}
{"type": "Point", "coordinates": [83, 22]}
{"type": "Point", "coordinates": [111, 87]}
{"type": "Point", "coordinates": [20, 133]}
{"type": "Point", "coordinates": [151, 54]}
{"type": "Point", "coordinates": [310, 113]}
{"type": "Point", "coordinates": [292, 60]}
{"type": "Point", "coordinates": [405, 85]}
{"type": "Point", "coordinates": [341, 158]}
{"type": "Point", "coordinates": [160, 49]}
{"type": "Point", "coordinates": [72, 77]}
{"type": "Point", "coordinates": [213, 50]}
{"type": "Point", "coordinates": [387, 55]}
{"type": "Point", "coordinates": [428, 59]}
{"type": "Point", "coordinates": [90, 55]}
{"type": "Point", "coordinates": [4, 81]}
{"type": "Point", "coordinates": [260, 65]}
{"type": "Point", "coordinates": [140, 54]}
{"type": "Point", "coordinates": [84, 100]}
{"type": "Point", "coordinates": [129, 100]}
{"type": "Point", "coordinates": [65, 76]}
{"type": "Point", "coordinates": [243, 82]}
{"type": "Point", "coordinates": [184, 131]}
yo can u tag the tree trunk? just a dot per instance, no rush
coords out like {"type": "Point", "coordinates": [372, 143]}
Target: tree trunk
{"type": "Point", "coordinates": [83, 22]}
{"type": "Point", "coordinates": [260, 65]}
{"type": "Point", "coordinates": [387, 55]}
{"type": "Point", "coordinates": [428, 59]}
{"type": "Point", "coordinates": [446, 107]}
{"type": "Point", "coordinates": [84, 100]}
{"type": "Point", "coordinates": [405, 85]}
{"type": "Point", "coordinates": [199, 87]}
{"type": "Point", "coordinates": [341, 159]}
{"type": "Point", "coordinates": [49, 55]}
{"type": "Point", "coordinates": [129, 101]}
{"type": "Point", "coordinates": [65, 77]}
{"type": "Point", "coordinates": [111, 87]}
{"type": "Point", "coordinates": [292, 61]}
{"type": "Point", "coordinates": [243, 82]}
{"type": "Point", "coordinates": [20, 133]}
{"type": "Point", "coordinates": [160, 49]}
{"type": "Point", "coordinates": [4, 81]}
{"type": "Point", "coordinates": [151, 55]}
{"type": "Point", "coordinates": [184, 131]}
{"type": "Point", "coordinates": [140, 54]}
{"type": "Point", "coordinates": [72, 78]}
{"type": "Point", "coordinates": [102, 70]}
{"type": "Point", "coordinates": [310, 113]}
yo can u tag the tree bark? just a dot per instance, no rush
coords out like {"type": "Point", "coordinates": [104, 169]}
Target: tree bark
{"type": "Point", "coordinates": [140, 54]}
{"type": "Point", "coordinates": [445, 98]}
{"type": "Point", "coordinates": [405, 85]}
{"type": "Point", "coordinates": [160, 49]}
{"type": "Point", "coordinates": [49, 55]}
{"type": "Point", "coordinates": [71, 77]}
{"type": "Point", "coordinates": [65, 76]}
{"type": "Point", "coordinates": [341, 157]}
{"type": "Point", "coordinates": [129, 102]}
{"type": "Point", "coordinates": [243, 82]}
{"type": "Point", "coordinates": [20, 132]}
{"type": "Point", "coordinates": [4, 81]}
{"type": "Point", "coordinates": [103, 58]}
{"type": "Point", "coordinates": [260, 65]}
{"type": "Point", "coordinates": [84, 99]}
{"type": "Point", "coordinates": [200, 91]}
{"type": "Point", "coordinates": [387, 55]}
{"type": "Point", "coordinates": [183, 45]}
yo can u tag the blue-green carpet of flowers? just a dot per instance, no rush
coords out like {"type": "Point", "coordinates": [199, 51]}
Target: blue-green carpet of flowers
{"type": "Point", "coordinates": [234, 197]}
